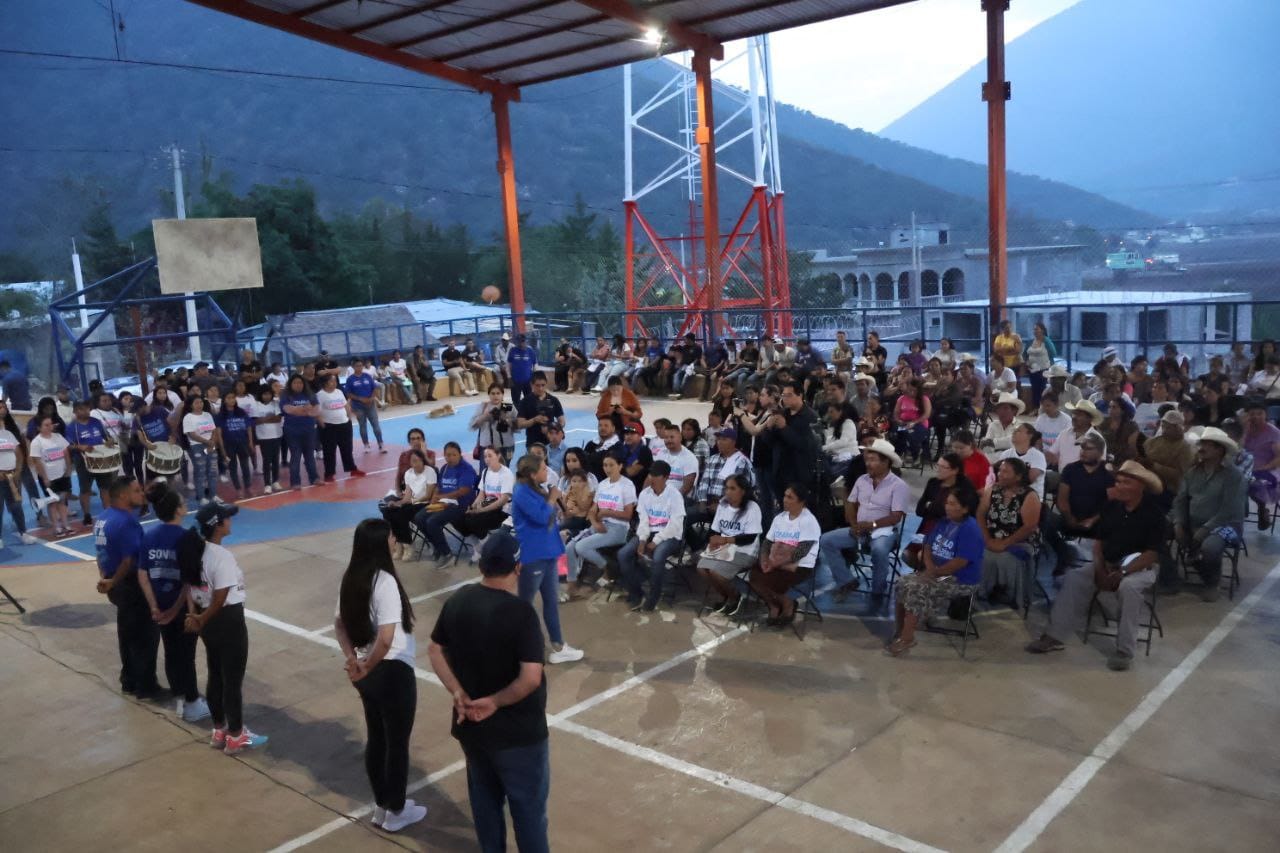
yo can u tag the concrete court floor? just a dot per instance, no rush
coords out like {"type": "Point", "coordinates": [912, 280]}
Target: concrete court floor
{"type": "Point", "coordinates": [673, 734]}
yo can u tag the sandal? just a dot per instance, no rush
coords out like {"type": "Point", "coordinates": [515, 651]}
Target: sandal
{"type": "Point", "coordinates": [898, 648]}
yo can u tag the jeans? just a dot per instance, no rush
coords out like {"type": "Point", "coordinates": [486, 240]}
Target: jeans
{"type": "Point", "coordinates": [522, 777]}
{"type": "Point", "coordinates": [270, 449]}
{"type": "Point", "coordinates": [204, 467]}
{"type": "Point", "coordinates": [302, 450]}
{"type": "Point", "coordinates": [238, 458]}
{"type": "Point", "coordinates": [14, 505]}
{"type": "Point", "coordinates": [633, 573]}
{"type": "Point", "coordinates": [540, 577]}
{"type": "Point", "coordinates": [226, 650]}
{"type": "Point", "coordinates": [136, 636]}
{"type": "Point", "coordinates": [180, 658]}
{"type": "Point", "coordinates": [588, 547]}
{"type": "Point", "coordinates": [367, 418]}
{"type": "Point", "coordinates": [336, 438]}
{"type": "Point", "coordinates": [834, 542]}
{"type": "Point", "coordinates": [682, 375]}
{"type": "Point", "coordinates": [389, 694]}
{"type": "Point", "coordinates": [432, 525]}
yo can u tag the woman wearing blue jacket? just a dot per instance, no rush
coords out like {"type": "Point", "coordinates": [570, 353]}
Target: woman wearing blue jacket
{"type": "Point", "coordinates": [533, 514]}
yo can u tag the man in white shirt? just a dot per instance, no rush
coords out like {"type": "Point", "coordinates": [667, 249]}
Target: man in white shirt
{"type": "Point", "coordinates": [681, 461]}
{"type": "Point", "coordinates": [659, 536]}
{"type": "Point", "coordinates": [999, 435]}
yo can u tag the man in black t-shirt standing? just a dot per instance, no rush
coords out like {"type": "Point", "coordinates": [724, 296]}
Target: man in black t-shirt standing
{"type": "Point", "coordinates": [487, 649]}
{"type": "Point", "coordinates": [537, 410]}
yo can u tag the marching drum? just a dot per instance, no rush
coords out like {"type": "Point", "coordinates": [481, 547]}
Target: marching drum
{"type": "Point", "coordinates": [103, 461]}
{"type": "Point", "coordinates": [165, 459]}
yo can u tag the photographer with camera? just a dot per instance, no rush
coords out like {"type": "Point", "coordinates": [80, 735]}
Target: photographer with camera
{"type": "Point", "coordinates": [495, 425]}
{"type": "Point", "coordinates": [537, 410]}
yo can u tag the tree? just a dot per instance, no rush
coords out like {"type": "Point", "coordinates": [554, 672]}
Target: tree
{"type": "Point", "coordinates": [102, 253]}
{"type": "Point", "coordinates": [15, 267]}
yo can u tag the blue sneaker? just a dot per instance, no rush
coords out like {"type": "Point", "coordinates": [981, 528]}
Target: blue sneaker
{"type": "Point", "coordinates": [245, 740]}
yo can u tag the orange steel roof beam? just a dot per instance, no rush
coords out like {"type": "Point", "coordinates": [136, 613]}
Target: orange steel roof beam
{"type": "Point", "coordinates": [335, 38]}
{"type": "Point", "coordinates": [685, 36]}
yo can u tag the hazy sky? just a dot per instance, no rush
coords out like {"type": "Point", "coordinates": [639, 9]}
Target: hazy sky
{"type": "Point", "coordinates": [867, 70]}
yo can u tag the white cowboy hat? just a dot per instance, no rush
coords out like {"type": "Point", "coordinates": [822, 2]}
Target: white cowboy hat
{"type": "Point", "coordinates": [1217, 436]}
{"type": "Point", "coordinates": [965, 356]}
{"type": "Point", "coordinates": [1143, 474]}
{"type": "Point", "coordinates": [885, 449]}
{"type": "Point", "coordinates": [1088, 408]}
{"type": "Point", "coordinates": [865, 364]}
{"type": "Point", "coordinates": [1058, 371]}
{"type": "Point", "coordinates": [1007, 399]}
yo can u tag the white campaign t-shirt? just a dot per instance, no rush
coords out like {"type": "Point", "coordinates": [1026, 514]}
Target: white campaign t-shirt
{"type": "Point", "coordinates": [52, 451]}
{"type": "Point", "coordinates": [615, 496]}
{"type": "Point", "coordinates": [1050, 428]}
{"type": "Point", "coordinates": [385, 609]}
{"type": "Point", "coordinates": [219, 570]}
{"type": "Point", "coordinates": [416, 485]}
{"type": "Point", "coordinates": [1034, 459]}
{"type": "Point", "coordinates": [739, 522]}
{"type": "Point", "coordinates": [662, 515]}
{"type": "Point", "coordinates": [266, 410]}
{"type": "Point", "coordinates": [8, 451]}
{"type": "Point", "coordinates": [110, 420]}
{"type": "Point", "coordinates": [333, 407]}
{"type": "Point", "coordinates": [683, 463]}
{"type": "Point", "coordinates": [496, 483]}
{"type": "Point", "coordinates": [793, 531]}
{"type": "Point", "coordinates": [201, 424]}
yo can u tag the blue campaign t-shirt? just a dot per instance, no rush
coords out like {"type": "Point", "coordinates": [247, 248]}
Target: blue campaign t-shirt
{"type": "Point", "coordinates": [522, 361]}
{"type": "Point", "coordinates": [360, 386]}
{"type": "Point", "coordinates": [297, 423]}
{"type": "Point", "coordinates": [155, 424]}
{"type": "Point", "coordinates": [454, 477]}
{"type": "Point", "coordinates": [235, 426]}
{"type": "Point", "coordinates": [160, 562]}
{"type": "Point", "coordinates": [949, 540]}
{"type": "Point", "coordinates": [116, 535]}
{"type": "Point", "coordinates": [89, 434]}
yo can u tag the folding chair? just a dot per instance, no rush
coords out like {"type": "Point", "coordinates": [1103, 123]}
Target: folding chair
{"type": "Point", "coordinates": [1231, 554]}
{"type": "Point", "coordinates": [806, 604]}
{"type": "Point", "coordinates": [862, 568]}
{"type": "Point", "coordinates": [969, 624]}
{"type": "Point", "coordinates": [1152, 623]}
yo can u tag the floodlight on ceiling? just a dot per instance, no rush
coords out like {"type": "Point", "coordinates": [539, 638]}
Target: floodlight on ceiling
{"type": "Point", "coordinates": [653, 36]}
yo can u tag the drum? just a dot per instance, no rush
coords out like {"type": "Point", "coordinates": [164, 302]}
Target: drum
{"type": "Point", "coordinates": [103, 461]}
{"type": "Point", "coordinates": [164, 459]}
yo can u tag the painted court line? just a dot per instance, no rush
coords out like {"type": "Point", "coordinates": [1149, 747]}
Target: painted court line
{"type": "Point", "coordinates": [1070, 787]}
{"type": "Point", "coordinates": [70, 552]}
{"type": "Point", "coordinates": [748, 789]}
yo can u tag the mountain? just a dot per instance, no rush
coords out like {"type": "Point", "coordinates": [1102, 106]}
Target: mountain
{"type": "Point", "coordinates": [1167, 105]}
{"type": "Point", "coordinates": [77, 132]}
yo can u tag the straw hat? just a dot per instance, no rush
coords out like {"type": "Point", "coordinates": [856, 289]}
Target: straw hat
{"type": "Point", "coordinates": [1174, 417]}
{"type": "Point", "coordinates": [1088, 408]}
{"type": "Point", "coordinates": [1007, 399]}
{"type": "Point", "coordinates": [864, 377]}
{"type": "Point", "coordinates": [969, 357]}
{"type": "Point", "coordinates": [886, 450]}
{"type": "Point", "coordinates": [865, 364]}
{"type": "Point", "coordinates": [1059, 371]}
{"type": "Point", "coordinates": [1219, 437]}
{"type": "Point", "coordinates": [1140, 472]}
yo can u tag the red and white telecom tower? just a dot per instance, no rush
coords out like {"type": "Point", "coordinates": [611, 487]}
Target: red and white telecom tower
{"type": "Point", "coordinates": [742, 274]}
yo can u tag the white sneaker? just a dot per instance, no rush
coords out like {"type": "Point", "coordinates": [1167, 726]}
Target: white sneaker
{"type": "Point", "coordinates": [266, 490]}
{"type": "Point", "coordinates": [379, 815]}
{"type": "Point", "coordinates": [566, 654]}
{"type": "Point", "coordinates": [224, 479]}
{"type": "Point", "coordinates": [191, 487]}
{"type": "Point", "coordinates": [276, 485]}
{"type": "Point", "coordinates": [196, 710]}
{"type": "Point", "coordinates": [407, 816]}
{"type": "Point", "coordinates": [28, 539]}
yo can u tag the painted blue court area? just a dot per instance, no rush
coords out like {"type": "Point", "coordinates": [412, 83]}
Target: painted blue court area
{"type": "Point", "coordinates": [316, 509]}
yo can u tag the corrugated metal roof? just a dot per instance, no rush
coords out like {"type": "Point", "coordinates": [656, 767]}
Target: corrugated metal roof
{"type": "Point", "coordinates": [513, 43]}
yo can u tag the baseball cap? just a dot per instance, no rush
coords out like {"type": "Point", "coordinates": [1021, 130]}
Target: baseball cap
{"type": "Point", "coordinates": [499, 554]}
{"type": "Point", "coordinates": [727, 432]}
{"type": "Point", "coordinates": [212, 514]}
{"type": "Point", "coordinates": [635, 427]}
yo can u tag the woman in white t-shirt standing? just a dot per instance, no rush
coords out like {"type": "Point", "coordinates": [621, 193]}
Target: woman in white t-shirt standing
{"type": "Point", "coordinates": [216, 612]}
{"type": "Point", "coordinates": [373, 624]}
{"type": "Point", "coordinates": [335, 429]}
{"type": "Point", "coordinates": [788, 557]}
{"type": "Point", "coordinates": [204, 447]}
{"type": "Point", "coordinates": [49, 454]}
{"type": "Point", "coordinates": [13, 459]}
{"type": "Point", "coordinates": [268, 430]}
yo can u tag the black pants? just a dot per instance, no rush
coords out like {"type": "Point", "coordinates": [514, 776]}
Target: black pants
{"type": "Point", "coordinates": [270, 449]}
{"type": "Point", "coordinates": [480, 524]}
{"type": "Point", "coordinates": [238, 464]}
{"type": "Point", "coordinates": [180, 658]}
{"type": "Point", "coordinates": [337, 437]}
{"type": "Point", "coordinates": [226, 650]}
{"type": "Point", "coordinates": [390, 697]}
{"type": "Point", "coordinates": [138, 638]}
{"type": "Point", "coordinates": [399, 517]}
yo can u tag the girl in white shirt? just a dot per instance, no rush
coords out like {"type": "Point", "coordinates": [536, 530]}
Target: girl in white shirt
{"type": "Point", "coordinates": [268, 431]}
{"type": "Point", "coordinates": [490, 509]}
{"type": "Point", "coordinates": [203, 447]}
{"type": "Point", "coordinates": [788, 557]}
{"type": "Point", "coordinates": [610, 519]}
{"type": "Point", "coordinates": [1024, 439]}
{"type": "Point", "coordinates": [48, 461]}
{"type": "Point", "coordinates": [217, 596]}
{"type": "Point", "coordinates": [336, 435]}
{"type": "Point", "coordinates": [373, 624]}
{"type": "Point", "coordinates": [13, 452]}
{"type": "Point", "coordinates": [419, 489]}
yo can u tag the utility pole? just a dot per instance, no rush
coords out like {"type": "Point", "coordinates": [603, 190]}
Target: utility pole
{"type": "Point", "coordinates": [180, 203]}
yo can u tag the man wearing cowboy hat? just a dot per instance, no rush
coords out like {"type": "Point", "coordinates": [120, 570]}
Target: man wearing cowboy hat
{"type": "Point", "coordinates": [999, 435]}
{"type": "Point", "coordinates": [876, 503]}
{"type": "Point", "coordinates": [1085, 419]}
{"type": "Point", "coordinates": [1208, 511]}
{"type": "Point", "coordinates": [1130, 535]}
{"type": "Point", "coordinates": [864, 389]}
{"type": "Point", "coordinates": [1168, 454]}
{"type": "Point", "coordinates": [1068, 394]}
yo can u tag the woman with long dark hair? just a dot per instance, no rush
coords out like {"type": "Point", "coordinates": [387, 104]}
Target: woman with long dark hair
{"type": "Point", "coordinates": [336, 434]}
{"type": "Point", "coordinates": [14, 453]}
{"type": "Point", "coordinates": [200, 435]}
{"type": "Point", "coordinates": [419, 486]}
{"type": "Point", "coordinates": [374, 626]}
{"type": "Point", "coordinates": [734, 542]}
{"type": "Point", "coordinates": [788, 557]}
{"type": "Point", "coordinates": [300, 411]}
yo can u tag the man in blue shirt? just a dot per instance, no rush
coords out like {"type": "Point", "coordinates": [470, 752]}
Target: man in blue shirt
{"type": "Point", "coordinates": [118, 539]}
{"type": "Point", "coordinates": [83, 434]}
{"type": "Point", "coordinates": [360, 388]}
{"type": "Point", "coordinates": [522, 360]}
{"type": "Point", "coordinates": [455, 489]}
